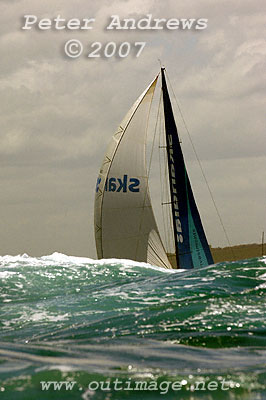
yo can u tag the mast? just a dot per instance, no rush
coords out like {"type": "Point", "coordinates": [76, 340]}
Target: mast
{"type": "Point", "coordinates": [168, 120]}
{"type": "Point", "coordinates": [192, 249]}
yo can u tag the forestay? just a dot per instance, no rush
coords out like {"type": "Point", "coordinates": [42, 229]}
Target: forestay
{"type": "Point", "coordinates": [192, 249]}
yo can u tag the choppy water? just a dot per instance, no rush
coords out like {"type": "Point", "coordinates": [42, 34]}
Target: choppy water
{"type": "Point", "coordinates": [73, 319]}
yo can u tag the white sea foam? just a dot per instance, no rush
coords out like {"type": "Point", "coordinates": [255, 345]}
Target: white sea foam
{"type": "Point", "coordinates": [63, 259]}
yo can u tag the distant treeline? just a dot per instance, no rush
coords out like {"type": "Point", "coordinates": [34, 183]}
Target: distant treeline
{"type": "Point", "coordinates": [234, 253]}
{"type": "Point", "coordinates": [239, 252]}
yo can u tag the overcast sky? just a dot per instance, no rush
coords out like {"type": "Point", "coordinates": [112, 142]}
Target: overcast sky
{"type": "Point", "coordinates": [58, 114]}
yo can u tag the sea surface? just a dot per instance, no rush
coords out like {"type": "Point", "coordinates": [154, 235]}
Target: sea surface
{"type": "Point", "coordinates": [118, 329]}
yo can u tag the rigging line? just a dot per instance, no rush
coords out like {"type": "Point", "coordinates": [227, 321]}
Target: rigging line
{"type": "Point", "coordinates": [160, 166]}
{"type": "Point", "coordinates": [202, 171]}
{"type": "Point", "coordinates": [163, 183]}
{"type": "Point", "coordinates": [166, 212]}
{"type": "Point", "coordinates": [153, 140]}
{"type": "Point", "coordinates": [159, 115]}
{"type": "Point", "coordinates": [148, 174]}
{"type": "Point", "coordinates": [169, 209]}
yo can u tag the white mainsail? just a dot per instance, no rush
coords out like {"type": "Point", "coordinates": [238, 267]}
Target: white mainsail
{"type": "Point", "coordinates": [125, 225]}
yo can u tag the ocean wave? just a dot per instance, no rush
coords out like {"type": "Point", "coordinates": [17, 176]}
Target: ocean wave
{"type": "Point", "coordinates": [64, 313]}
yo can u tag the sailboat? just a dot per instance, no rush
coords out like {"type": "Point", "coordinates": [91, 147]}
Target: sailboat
{"type": "Point", "coordinates": [124, 221]}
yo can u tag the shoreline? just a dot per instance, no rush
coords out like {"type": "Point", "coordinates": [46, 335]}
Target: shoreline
{"type": "Point", "coordinates": [238, 252]}
{"type": "Point", "coordinates": [232, 253]}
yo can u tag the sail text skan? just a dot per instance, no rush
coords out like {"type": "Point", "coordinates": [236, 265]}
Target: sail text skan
{"type": "Point", "coordinates": [124, 184]}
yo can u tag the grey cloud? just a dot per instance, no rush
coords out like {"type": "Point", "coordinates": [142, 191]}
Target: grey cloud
{"type": "Point", "coordinates": [57, 115]}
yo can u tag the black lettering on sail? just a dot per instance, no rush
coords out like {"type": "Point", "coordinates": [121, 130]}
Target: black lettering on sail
{"type": "Point", "coordinates": [182, 199]}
